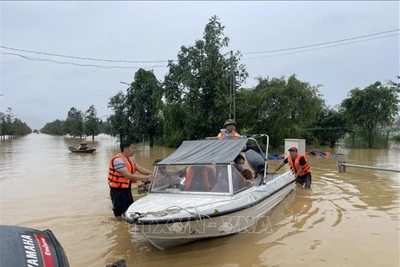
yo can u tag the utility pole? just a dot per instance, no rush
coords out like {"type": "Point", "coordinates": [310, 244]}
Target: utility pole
{"type": "Point", "coordinates": [234, 92]}
{"type": "Point", "coordinates": [231, 91]}
{"type": "Point", "coordinates": [232, 106]}
{"type": "Point", "coordinates": [0, 111]}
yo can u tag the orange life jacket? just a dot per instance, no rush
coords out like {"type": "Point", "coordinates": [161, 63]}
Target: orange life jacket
{"type": "Point", "coordinates": [189, 177]}
{"type": "Point", "coordinates": [295, 165]}
{"type": "Point", "coordinates": [115, 178]}
{"type": "Point", "coordinates": [221, 135]}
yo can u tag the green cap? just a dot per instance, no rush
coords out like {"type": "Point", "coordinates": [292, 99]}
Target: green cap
{"type": "Point", "coordinates": [229, 122]}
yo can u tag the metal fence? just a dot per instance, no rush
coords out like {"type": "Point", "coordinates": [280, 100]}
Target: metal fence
{"type": "Point", "coordinates": [343, 167]}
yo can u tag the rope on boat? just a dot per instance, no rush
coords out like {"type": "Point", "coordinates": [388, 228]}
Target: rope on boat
{"type": "Point", "coordinates": [133, 218]}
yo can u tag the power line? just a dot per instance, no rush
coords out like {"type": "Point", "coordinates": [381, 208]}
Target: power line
{"type": "Point", "coordinates": [77, 64]}
{"type": "Point", "coordinates": [319, 44]}
{"type": "Point", "coordinates": [166, 61]}
{"type": "Point", "coordinates": [320, 48]}
{"type": "Point", "coordinates": [163, 66]}
{"type": "Point", "coordinates": [85, 58]}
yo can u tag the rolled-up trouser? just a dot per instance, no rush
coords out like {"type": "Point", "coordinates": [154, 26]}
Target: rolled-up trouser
{"type": "Point", "coordinates": [121, 199]}
{"type": "Point", "coordinates": [305, 180]}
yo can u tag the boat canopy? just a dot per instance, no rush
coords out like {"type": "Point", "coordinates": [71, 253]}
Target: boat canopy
{"type": "Point", "coordinates": [199, 152]}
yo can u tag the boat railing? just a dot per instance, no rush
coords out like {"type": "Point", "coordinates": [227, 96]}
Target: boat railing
{"type": "Point", "coordinates": [254, 138]}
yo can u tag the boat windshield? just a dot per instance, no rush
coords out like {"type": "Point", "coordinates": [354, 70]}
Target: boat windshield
{"type": "Point", "coordinates": [238, 181]}
{"type": "Point", "coordinates": [191, 178]}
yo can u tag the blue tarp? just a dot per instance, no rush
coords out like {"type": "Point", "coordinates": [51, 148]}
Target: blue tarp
{"type": "Point", "coordinates": [323, 154]}
{"type": "Point", "coordinates": [275, 156]}
{"type": "Point", "coordinates": [278, 156]}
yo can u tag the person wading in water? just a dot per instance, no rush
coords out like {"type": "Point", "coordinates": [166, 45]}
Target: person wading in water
{"type": "Point", "coordinates": [299, 166]}
{"type": "Point", "coordinates": [121, 175]}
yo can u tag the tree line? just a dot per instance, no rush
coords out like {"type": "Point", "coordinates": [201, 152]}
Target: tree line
{"type": "Point", "coordinates": [77, 124]}
{"type": "Point", "coordinates": [12, 126]}
{"type": "Point", "coordinates": [193, 101]}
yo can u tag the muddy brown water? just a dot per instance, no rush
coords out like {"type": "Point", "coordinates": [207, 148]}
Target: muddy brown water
{"type": "Point", "coordinates": [349, 219]}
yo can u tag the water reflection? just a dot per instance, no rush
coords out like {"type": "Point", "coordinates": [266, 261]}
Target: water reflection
{"type": "Point", "coordinates": [349, 219]}
{"type": "Point", "coordinates": [121, 246]}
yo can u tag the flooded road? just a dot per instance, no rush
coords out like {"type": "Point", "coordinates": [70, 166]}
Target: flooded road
{"type": "Point", "coordinates": [347, 219]}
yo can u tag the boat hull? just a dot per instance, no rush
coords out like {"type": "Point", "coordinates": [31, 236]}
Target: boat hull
{"type": "Point", "coordinates": [176, 233]}
{"type": "Point", "coordinates": [74, 150]}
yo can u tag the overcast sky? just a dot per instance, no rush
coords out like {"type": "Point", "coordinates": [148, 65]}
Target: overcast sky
{"type": "Point", "coordinates": [42, 91]}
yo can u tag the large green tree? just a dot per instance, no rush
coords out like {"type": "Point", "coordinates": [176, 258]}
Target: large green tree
{"type": "Point", "coordinates": [143, 102]}
{"type": "Point", "coordinates": [247, 106]}
{"type": "Point", "coordinates": [120, 126]}
{"type": "Point", "coordinates": [74, 123]}
{"type": "Point", "coordinates": [92, 122]}
{"type": "Point", "coordinates": [395, 84]}
{"type": "Point", "coordinates": [197, 86]}
{"type": "Point", "coordinates": [330, 126]}
{"type": "Point", "coordinates": [280, 107]}
{"type": "Point", "coordinates": [105, 126]}
{"type": "Point", "coordinates": [371, 109]}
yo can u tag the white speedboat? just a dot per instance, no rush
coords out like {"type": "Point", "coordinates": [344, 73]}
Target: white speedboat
{"type": "Point", "coordinates": [198, 193]}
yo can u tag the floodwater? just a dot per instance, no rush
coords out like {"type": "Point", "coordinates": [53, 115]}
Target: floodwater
{"type": "Point", "coordinates": [348, 219]}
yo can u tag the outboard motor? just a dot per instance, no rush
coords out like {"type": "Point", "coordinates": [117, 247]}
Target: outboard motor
{"type": "Point", "coordinates": [257, 163]}
{"type": "Point", "coordinates": [21, 246]}
{"type": "Point", "coordinates": [255, 160]}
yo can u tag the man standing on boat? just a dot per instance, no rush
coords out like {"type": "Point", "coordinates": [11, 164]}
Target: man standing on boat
{"type": "Point", "coordinates": [121, 175]}
{"type": "Point", "coordinates": [229, 130]}
{"type": "Point", "coordinates": [83, 146]}
{"type": "Point", "coordinates": [299, 166]}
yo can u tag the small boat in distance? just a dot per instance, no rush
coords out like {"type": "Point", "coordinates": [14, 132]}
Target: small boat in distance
{"type": "Point", "coordinates": [83, 148]}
